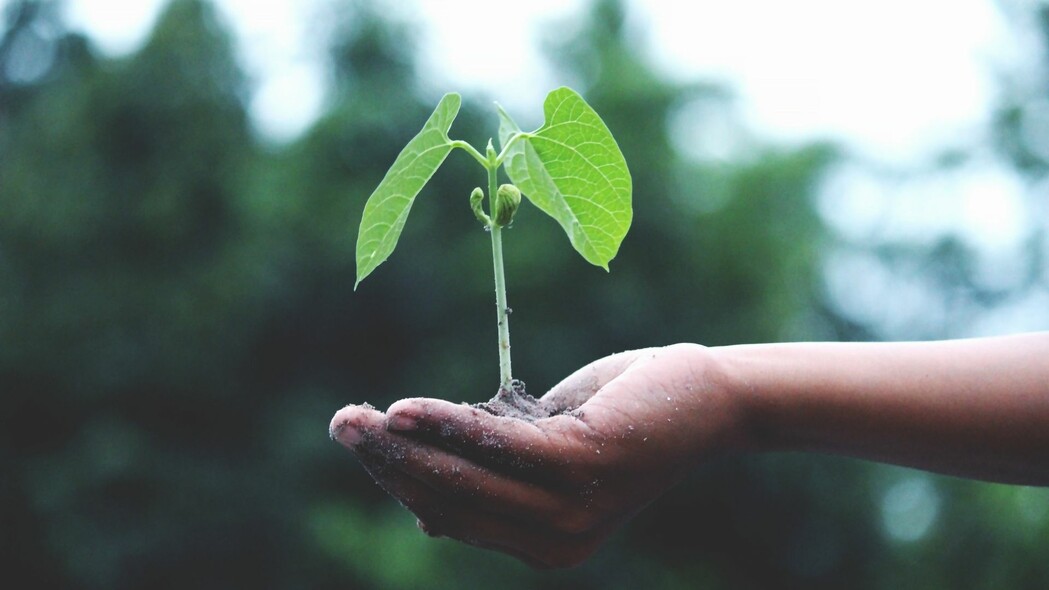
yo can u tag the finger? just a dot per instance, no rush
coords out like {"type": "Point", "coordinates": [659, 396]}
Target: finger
{"type": "Point", "coordinates": [504, 444]}
{"type": "Point", "coordinates": [352, 424]}
{"type": "Point", "coordinates": [363, 430]}
{"type": "Point", "coordinates": [574, 390]}
{"type": "Point", "coordinates": [441, 516]}
{"type": "Point", "coordinates": [539, 549]}
{"type": "Point", "coordinates": [454, 476]}
{"type": "Point", "coordinates": [384, 454]}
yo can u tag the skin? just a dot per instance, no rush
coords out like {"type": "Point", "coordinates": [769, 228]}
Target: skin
{"type": "Point", "coordinates": [551, 491]}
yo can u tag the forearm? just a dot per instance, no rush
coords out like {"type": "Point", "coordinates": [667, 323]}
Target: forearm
{"type": "Point", "coordinates": [974, 408]}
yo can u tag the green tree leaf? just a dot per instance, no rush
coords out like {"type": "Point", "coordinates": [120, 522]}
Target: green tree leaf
{"type": "Point", "coordinates": [388, 206]}
{"type": "Point", "coordinates": [572, 169]}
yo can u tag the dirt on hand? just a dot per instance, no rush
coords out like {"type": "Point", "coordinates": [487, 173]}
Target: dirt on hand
{"type": "Point", "coordinates": [517, 403]}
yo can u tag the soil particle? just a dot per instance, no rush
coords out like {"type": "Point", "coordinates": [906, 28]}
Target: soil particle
{"type": "Point", "coordinates": [515, 402]}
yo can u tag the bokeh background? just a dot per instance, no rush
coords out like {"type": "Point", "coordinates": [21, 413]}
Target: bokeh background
{"type": "Point", "coordinates": [178, 321]}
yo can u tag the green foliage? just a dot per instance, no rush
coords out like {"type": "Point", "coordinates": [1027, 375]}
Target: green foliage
{"type": "Point", "coordinates": [572, 169]}
{"type": "Point", "coordinates": [388, 207]}
{"type": "Point", "coordinates": [178, 324]}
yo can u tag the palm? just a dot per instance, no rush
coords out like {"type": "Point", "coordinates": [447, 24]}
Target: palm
{"type": "Point", "coordinates": [551, 490]}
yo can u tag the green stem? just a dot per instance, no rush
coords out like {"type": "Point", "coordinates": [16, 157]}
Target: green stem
{"type": "Point", "coordinates": [510, 142]}
{"type": "Point", "coordinates": [501, 307]}
{"type": "Point", "coordinates": [458, 143]}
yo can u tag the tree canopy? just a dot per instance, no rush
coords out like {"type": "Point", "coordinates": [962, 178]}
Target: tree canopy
{"type": "Point", "coordinates": [178, 323]}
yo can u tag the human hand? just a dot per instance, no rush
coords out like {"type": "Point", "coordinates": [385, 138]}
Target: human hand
{"type": "Point", "coordinates": [625, 428]}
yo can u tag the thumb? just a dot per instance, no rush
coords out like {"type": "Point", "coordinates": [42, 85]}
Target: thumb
{"type": "Point", "coordinates": [574, 390]}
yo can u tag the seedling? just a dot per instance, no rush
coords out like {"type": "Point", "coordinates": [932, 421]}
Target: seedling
{"type": "Point", "coordinates": [570, 168]}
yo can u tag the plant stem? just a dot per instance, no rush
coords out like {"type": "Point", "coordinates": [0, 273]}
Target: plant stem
{"type": "Point", "coordinates": [458, 143]}
{"type": "Point", "coordinates": [501, 307]}
{"type": "Point", "coordinates": [509, 143]}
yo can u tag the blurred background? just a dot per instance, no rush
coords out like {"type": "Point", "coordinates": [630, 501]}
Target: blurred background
{"type": "Point", "coordinates": [180, 188]}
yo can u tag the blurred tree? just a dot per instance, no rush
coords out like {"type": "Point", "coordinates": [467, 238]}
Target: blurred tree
{"type": "Point", "coordinates": [136, 206]}
{"type": "Point", "coordinates": [128, 291]}
{"type": "Point", "coordinates": [993, 536]}
{"type": "Point", "coordinates": [940, 532]}
{"type": "Point", "coordinates": [178, 323]}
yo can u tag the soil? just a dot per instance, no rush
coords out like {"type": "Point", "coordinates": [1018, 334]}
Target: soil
{"type": "Point", "coordinates": [515, 402]}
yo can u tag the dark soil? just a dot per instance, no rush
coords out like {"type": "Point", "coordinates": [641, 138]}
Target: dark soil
{"type": "Point", "coordinates": [517, 403]}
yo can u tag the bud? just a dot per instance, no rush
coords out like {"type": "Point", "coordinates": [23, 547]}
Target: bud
{"type": "Point", "coordinates": [507, 200]}
{"type": "Point", "coordinates": [476, 198]}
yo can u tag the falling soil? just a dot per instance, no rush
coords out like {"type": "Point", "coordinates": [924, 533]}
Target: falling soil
{"type": "Point", "coordinates": [515, 402]}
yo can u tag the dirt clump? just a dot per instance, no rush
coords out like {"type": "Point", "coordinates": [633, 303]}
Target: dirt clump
{"type": "Point", "coordinates": [515, 402]}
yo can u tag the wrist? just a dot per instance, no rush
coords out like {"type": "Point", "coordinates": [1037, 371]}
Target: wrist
{"type": "Point", "coordinates": [741, 372]}
{"type": "Point", "coordinates": [721, 405]}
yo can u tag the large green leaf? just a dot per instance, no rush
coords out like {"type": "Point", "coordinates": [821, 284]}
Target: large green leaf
{"type": "Point", "coordinates": [572, 169]}
{"type": "Point", "coordinates": [387, 208]}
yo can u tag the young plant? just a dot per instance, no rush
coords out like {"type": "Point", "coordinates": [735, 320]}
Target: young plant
{"type": "Point", "coordinates": [570, 168]}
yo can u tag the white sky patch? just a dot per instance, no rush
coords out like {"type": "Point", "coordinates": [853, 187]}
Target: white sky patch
{"type": "Point", "coordinates": [1028, 314]}
{"type": "Point", "coordinates": [894, 79]}
{"type": "Point", "coordinates": [116, 27]}
{"type": "Point", "coordinates": [490, 47]}
{"type": "Point", "coordinates": [273, 41]}
{"type": "Point", "coordinates": [984, 203]}
{"type": "Point", "coordinates": [993, 212]}
{"type": "Point", "coordinates": [297, 83]}
{"type": "Point", "coordinates": [899, 303]}
{"type": "Point", "coordinates": [707, 130]}
{"type": "Point", "coordinates": [285, 66]}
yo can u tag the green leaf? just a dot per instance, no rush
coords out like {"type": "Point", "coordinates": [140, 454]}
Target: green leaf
{"type": "Point", "coordinates": [572, 169]}
{"type": "Point", "coordinates": [387, 208]}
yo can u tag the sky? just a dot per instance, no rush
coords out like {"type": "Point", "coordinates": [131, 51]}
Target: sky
{"type": "Point", "coordinates": [888, 78]}
{"type": "Point", "coordinates": [895, 81]}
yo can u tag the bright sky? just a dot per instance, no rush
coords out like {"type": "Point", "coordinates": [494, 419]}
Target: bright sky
{"type": "Point", "coordinates": [893, 78]}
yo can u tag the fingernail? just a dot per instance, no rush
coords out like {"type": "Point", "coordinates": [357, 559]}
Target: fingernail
{"type": "Point", "coordinates": [346, 434]}
{"type": "Point", "coordinates": [400, 422]}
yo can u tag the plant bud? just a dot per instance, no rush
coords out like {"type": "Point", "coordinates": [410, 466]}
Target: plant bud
{"type": "Point", "coordinates": [507, 200]}
{"type": "Point", "coordinates": [476, 199]}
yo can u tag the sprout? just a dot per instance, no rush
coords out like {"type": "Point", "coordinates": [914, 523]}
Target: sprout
{"type": "Point", "coordinates": [507, 200]}
{"type": "Point", "coordinates": [570, 168]}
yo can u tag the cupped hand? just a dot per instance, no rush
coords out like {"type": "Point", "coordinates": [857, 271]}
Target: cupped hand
{"type": "Point", "coordinates": [550, 491]}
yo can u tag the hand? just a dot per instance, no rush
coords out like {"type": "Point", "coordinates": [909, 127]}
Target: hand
{"type": "Point", "coordinates": [549, 492]}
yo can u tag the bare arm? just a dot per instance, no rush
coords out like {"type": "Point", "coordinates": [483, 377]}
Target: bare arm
{"type": "Point", "coordinates": [551, 491]}
{"type": "Point", "coordinates": [975, 408]}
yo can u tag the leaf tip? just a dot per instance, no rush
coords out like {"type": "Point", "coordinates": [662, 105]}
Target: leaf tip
{"type": "Point", "coordinates": [602, 264]}
{"type": "Point", "coordinates": [452, 100]}
{"type": "Point", "coordinates": [360, 277]}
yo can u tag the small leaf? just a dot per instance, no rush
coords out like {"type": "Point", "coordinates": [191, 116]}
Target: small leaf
{"type": "Point", "coordinates": [507, 200]}
{"type": "Point", "coordinates": [572, 169]}
{"type": "Point", "coordinates": [387, 208]}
